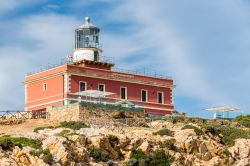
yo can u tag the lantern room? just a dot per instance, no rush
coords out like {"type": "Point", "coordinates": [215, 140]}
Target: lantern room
{"type": "Point", "coordinates": [87, 46]}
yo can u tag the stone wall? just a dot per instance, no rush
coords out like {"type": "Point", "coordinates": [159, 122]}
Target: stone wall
{"type": "Point", "coordinates": [64, 113]}
{"type": "Point", "coordinates": [75, 112]}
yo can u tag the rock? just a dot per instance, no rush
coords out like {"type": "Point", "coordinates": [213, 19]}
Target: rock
{"type": "Point", "coordinates": [243, 162]}
{"type": "Point", "coordinates": [182, 135]}
{"type": "Point", "coordinates": [207, 156]}
{"type": "Point", "coordinates": [105, 145]}
{"type": "Point", "coordinates": [22, 156]}
{"type": "Point", "coordinates": [161, 124]}
{"type": "Point", "coordinates": [7, 162]}
{"type": "Point", "coordinates": [203, 148]}
{"type": "Point", "coordinates": [56, 148]}
{"type": "Point", "coordinates": [241, 149]}
{"type": "Point", "coordinates": [190, 145]}
{"type": "Point", "coordinates": [145, 147]}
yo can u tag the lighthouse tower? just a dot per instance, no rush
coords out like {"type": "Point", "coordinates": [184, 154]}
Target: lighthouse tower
{"type": "Point", "coordinates": [87, 46]}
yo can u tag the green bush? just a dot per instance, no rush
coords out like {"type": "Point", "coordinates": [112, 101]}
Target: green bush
{"type": "Point", "coordinates": [159, 158]}
{"type": "Point", "coordinates": [64, 133]}
{"type": "Point", "coordinates": [73, 125]}
{"type": "Point", "coordinates": [99, 154]}
{"type": "Point", "coordinates": [168, 144]}
{"type": "Point", "coordinates": [113, 140]}
{"type": "Point", "coordinates": [7, 142]}
{"type": "Point", "coordinates": [156, 158]}
{"type": "Point", "coordinates": [164, 132]}
{"type": "Point", "coordinates": [230, 134]}
{"type": "Point", "coordinates": [46, 155]}
{"type": "Point", "coordinates": [244, 120]}
{"type": "Point", "coordinates": [227, 153]}
{"type": "Point", "coordinates": [42, 128]}
{"type": "Point", "coordinates": [137, 154]}
{"type": "Point", "coordinates": [196, 129]}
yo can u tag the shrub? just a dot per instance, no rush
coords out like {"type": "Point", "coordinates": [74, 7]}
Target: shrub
{"type": "Point", "coordinates": [164, 132]}
{"type": "Point", "coordinates": [42, 128]}
{"type": "Point", "coordinates": [137, 154]}
{"type": "Point", "coordinates": [64, 133]}
{"type": "Point", "coordinates": [230, 134]}
{"type": "Point", "coordinates": [244, 120]}
{"type": "Point", "coordinates": [46, 155]}
{"type": "Point", "coordinates": [227, 153]}
{"type": "Point", "coordinates": [120, 115]}
{"type": "Point", "coordinates": [7, 142]}
{"type": "Point", "coordinates": [196, 129]}
{"type": "Point", "coordinates": [73, 125]}
{"type": "Point", "coordinates": [113, 140]}
{"type": "Point", "coordinates": [98, 154]}
{"type": "Point", "coordinates": [159, 158]}
{"type": "Point", "coordinates": [168, 144]}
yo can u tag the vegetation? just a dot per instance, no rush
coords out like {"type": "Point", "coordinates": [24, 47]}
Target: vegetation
{"type": "Point", "coordinates": [138, 154]}
{"type": "Point", "coordinates": [244, 120]}
{"type": "Point", "coordinates": [157, 157]}
{"type": "Point", "coordinates": [45, 154]}
{"type": "Point", "coordinates": [64, 133]}
{"type": "Point", "coordinates": [113, 140]}
{"type": "Point", "coordinates": [7, 142]}
{"type": "Point", "coordinates": [168, 144]}
{"type": "Point", "coordinates": [230, 134]}
{"type": "Point", "coordinates": [42, 128]}
{"type": "Point", "coordinates": [120, 115]}
{"type": "Point", "coordinates": [164, 132]}
{"type": "Point", "coordinates": [227, 153]}
{"type": "Point", "coordinates": [98, 154]}
{"type": "Point", "coordinates": [73, 125]}
{"type": "Point", "coordinates": [196, 129]}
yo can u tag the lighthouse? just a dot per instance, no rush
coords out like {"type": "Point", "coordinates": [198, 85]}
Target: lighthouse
{"type": "Point", "coordinates": [91, 79]}
{"type": "Point", "coordinates": [87, 46]}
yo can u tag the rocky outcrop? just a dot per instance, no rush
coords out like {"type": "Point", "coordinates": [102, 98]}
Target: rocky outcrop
{"type": "Point", "coordinates": [90, 146]}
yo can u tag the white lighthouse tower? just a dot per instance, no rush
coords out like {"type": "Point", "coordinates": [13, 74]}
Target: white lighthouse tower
{"type": "Point", "coordinates": [87, 45]}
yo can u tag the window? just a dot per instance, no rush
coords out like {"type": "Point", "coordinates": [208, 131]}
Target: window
{"type": "Point", "coordinates": [96, 56]}
{"type": "Point", "coordinates": [160, 97]}
{"type": "Point", "coordinates": [82, 86]}
{"type": "Point", "coordinates": [124, 93]}
{"type": "Point", "coordinates": [101, 87]}
{"type": "Point", "coordinates": [144, 95]}
{"type": "Point", "coordinates": [44, 87]}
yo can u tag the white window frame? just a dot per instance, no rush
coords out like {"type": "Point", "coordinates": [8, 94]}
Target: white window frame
{"type": "Point", "coordinates": [146, 95]}
{"type": "Point", "coordinates": [126, 93]}
{"type": "Point", "coordinates": [158, 97]}
{"type": "Point", "coordinates": [80, 86]}
{"type": "Point", "coordinates": [104, 87]}
{"type": "Point", "coordinates": [45, 87]}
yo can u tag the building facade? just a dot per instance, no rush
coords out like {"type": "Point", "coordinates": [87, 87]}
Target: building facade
{"type": "Point", "coordinates": [90, 77]}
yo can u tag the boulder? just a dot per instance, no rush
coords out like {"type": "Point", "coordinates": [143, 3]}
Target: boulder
{"type": "Point", "coordinates": [105, 145]}
{"type": "Point", "coordinates": [241, 149]}
{"type": "Point", "coordinates": [146, 147]}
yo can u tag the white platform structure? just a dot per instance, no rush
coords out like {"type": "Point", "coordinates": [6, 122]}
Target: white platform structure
{"type": "Point", "coordinates": [92, 95]}
{"type": "Point", "coordinates": [222, 112]}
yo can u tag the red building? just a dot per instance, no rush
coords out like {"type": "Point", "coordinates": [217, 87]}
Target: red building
{"type": "Point", "coordinates": [90, 77]}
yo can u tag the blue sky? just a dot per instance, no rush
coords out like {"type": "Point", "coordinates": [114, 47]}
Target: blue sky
{"type": "Point", "coordinates": [203, 45]}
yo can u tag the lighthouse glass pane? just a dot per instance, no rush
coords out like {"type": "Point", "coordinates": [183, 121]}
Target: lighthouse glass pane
{"type": "Point", "coordinates": [82, 86]}
{"type": "Point", "coordinates": [124, 93]}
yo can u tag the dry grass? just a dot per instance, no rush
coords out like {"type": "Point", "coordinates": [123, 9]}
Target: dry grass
{"type": "Point", "coordinates": [27, 126]}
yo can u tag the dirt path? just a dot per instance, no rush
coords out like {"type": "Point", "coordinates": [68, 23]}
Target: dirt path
{"type": "Point", "coordinates": [27, 126]}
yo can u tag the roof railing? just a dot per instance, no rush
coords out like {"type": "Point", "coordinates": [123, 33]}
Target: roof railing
{"type": "Point", "coordinates": [144, 72]}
